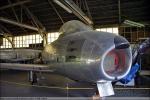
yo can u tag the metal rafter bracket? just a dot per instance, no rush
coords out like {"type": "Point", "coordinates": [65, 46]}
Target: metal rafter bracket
{"type": "Point", "coordinates": [6, 36]}
{"type": "Point", "coordinates": [43, 34]}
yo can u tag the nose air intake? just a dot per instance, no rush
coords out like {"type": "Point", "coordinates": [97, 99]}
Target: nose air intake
{"type": "Point", "coordinates": [117, 61]}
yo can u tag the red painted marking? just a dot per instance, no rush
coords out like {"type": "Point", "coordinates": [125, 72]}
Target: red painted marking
{"type": "Point", "coordinates": [119, 60]}
{"type": "Point", "coordinates": [116, 60]}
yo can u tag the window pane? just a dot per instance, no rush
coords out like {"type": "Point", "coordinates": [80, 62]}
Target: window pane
{"type": "Point", "coordinates": [115, 30]}
{"type": "Point", "coordinates": [37, 40]}
{"type": "Point", "coordinates": [52, 35]}
{"type": "Point", "coordinates": [98, 30]}
{"type": "Point", "coordinates": [109, 30]}
{"type": "Point", "coordinates": [30, 37]}
{"type": "Point", "coordinates": [30, 42]}
{"type": "Point", "coordinates": [103, 29]}
{"type": "Point", "coordinates": [37, 36]}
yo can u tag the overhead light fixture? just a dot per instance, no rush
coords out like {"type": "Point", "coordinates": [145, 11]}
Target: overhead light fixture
{"type": "Point", "coordinates": [132, 23]}
{"type": "Point", "coordinates": [63, 6]}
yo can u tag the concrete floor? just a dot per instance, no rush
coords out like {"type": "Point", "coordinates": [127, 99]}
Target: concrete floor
{"type": "Point", "coordinates": [50, 85]}
{"type": "Point", "coordinates": [15, 83]}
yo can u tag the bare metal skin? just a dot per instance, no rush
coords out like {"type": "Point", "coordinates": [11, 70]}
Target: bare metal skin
{"type": "Point", "coordinates": [82, 54]}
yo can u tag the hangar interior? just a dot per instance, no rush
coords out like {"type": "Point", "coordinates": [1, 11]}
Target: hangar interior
{"type": "Point", "coordinates": [31, 24]}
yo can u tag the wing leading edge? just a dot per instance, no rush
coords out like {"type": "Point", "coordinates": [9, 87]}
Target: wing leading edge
{"type": "Point", "coordinates": [25, 67]}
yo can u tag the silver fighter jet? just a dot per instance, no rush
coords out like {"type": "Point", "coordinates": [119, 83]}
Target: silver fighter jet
{"type": "Point", "coordinates": [79, 53]}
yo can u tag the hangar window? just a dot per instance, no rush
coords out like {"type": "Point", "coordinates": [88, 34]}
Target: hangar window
{"type": "Point", "coordinates": [6, 43]}
{"type": "Point", "coordinates": [17, 41]}
{"type": "Point", "coordinates": [38, 38]}
{"type": "Point", "coordinates": [110, 30]}
{"type": "Point", "coordinates": [52, 36]}
{"type": "Point", "coordinates": [24, 41]}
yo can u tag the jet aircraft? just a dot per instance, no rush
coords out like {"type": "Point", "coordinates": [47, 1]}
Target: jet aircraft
{"type": "Point", "coordinates": [80, 53]}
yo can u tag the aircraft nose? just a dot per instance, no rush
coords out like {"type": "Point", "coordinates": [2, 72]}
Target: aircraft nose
{"type": "Point", "coordinates": [121, 43]}
{"type": "Point", "coordinates": [117, 61]}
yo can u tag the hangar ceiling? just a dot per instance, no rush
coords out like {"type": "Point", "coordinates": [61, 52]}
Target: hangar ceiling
{"type": "Point", "coordinates": [102, 12]}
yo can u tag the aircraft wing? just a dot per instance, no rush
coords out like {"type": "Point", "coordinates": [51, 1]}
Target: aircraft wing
{"type": "Point", "coordinates": [19, 55]}
{"type": "Point", "coordinates": [17, 60]}
{"type": "Point", "coordinates": [26, 67]}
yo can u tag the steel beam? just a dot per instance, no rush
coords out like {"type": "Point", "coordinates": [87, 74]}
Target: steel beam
{"type": "Point", "coordinates": [42, 33]}
{"type": "Point", "coordinates": [119, 12]}
{"type": "Point", "coordinates": [13, 10]}
{"type": "Point", "coordinates": [34, 18]}
{"type": "Point", "coordinates": [6, 30]}
{"type": "Point", "coordinates": [73, 8]}
{"type": "Point", "coordinates": [14, 4]}
{"type": "Point", "coordinates": [39, 25]}
{"type": "Point", "coordinates": [18, 24]}
{"type": "Point", "coordinates": [54, 8]}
